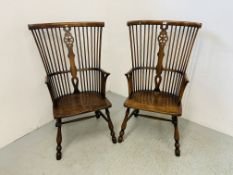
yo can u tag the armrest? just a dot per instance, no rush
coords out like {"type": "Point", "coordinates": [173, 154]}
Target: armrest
{"type": "Point", "coordinates": [104, 76]}
{"type": "Point", "coordinates": [48, 83]}
{"type": "Point", "coordinates": [129, 73]}
{"type": "Point", "coordinates": [129, 79]}
{"type": "Point", "coordinates": [104, 73]}
{"type": "Point", "coordinates": [183, 86]}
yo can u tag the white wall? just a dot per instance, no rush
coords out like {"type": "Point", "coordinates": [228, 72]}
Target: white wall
{"type": "Point", "coordinates": [24, 100]}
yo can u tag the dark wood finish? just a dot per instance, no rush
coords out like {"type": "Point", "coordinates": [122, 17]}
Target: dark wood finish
{"type": "Point", "coordinates": [176, 135]}
{"type": "Point", "coordinates": [160, 53]}
{"type": "Point", "coordinates": [59, 139]}
{"type": "Point", "coordinates": [71, 55]}
{"type": "Point", "coordinates": [97, 114]}
{"type": "Point", "coordinates": [110, 125]}
{"type": "Point", "coordinates": [66, 24]}
{"type": "Point", "coordinates": [166, 22]}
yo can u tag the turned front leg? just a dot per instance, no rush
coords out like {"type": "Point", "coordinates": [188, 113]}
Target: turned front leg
{"type": "Point", "coordinates": [59, 139]}
{"type": "Point", "coordinates": [123, 126]}
{"type": "Point", "coordinates": [176, 135]}
{"type": "Point", "coordinates": [110, 125]}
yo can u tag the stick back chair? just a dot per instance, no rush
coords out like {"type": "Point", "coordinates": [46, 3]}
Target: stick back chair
{"type": "Point", "coordinates": [71, 55]}
{"type": "Point", "coordinates": [160, 53]}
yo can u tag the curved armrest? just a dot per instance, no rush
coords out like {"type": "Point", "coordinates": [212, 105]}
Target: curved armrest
{"type": "Point", "coordinates": [130, 82]}
{"type": "Point", "coordinates": [104, 76]}
{"type": "Point", "coordinates": [183, 85]}
{"type": "Point", "coordinates": [48, 83]}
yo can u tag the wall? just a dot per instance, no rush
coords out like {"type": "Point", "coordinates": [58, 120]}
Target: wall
{"type": "Point", "coordinates": [24, 100]}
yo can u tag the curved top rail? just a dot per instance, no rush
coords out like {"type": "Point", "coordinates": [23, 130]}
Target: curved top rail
{"type": "Point", "coordinates": [65, 24]}
{"type": "Point", "coordinates": [164, 22]}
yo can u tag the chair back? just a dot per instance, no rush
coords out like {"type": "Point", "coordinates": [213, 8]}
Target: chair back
{"type": "Point", "coordinates": [71, 55]}
{"type": "Point", "coordinates": [160, 53]}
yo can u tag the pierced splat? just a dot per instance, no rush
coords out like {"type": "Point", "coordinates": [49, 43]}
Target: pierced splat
{"type": "Point", "coordinates": [162, 38]}
{"type": "Point", "coordinates": [69, 40]}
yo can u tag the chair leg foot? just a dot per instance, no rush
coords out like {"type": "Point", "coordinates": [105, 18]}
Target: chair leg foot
{"type": "Point", "coordinates": [176, 135]}
{"type": "Point", "coordinates": [120, 139]}
{"type": "Point", "coordinates": [114, 140]}
{"type": "Point", "coordinates": [123, 126]}
{"type": "Point", "coordinates": [59, 140]}
{"type": "Point", "coordinates": [58, 155]}
{"type": "Point", "coordinates": [177, 152]}
{"type": "Point", "coordinates": [110, 125]}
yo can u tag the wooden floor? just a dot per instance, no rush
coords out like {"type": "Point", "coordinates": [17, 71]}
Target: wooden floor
{"type": "Point", "coordinates": [147, 149]}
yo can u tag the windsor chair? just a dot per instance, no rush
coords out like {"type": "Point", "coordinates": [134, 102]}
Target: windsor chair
{"type": "Point", "coordinates": [156, 83]}
{"type": "Point", "coordinates": [71, 55]}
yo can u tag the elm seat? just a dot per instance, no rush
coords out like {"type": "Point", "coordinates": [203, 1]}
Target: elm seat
{"type": "Point", "coordinates": [154, 102]}
{"type": "Point", "coordinates": [79, 103]}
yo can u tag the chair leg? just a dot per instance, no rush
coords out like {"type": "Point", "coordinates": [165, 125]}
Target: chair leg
{"type": "Point", "coordinates": [59, 139]}
{"type": "Point", "coordinates": [176, 135]}
{"type": "Point", "coordinates": [136, 113]}
{"type": "Point", "coordinates": [123, 126]}
{"type": "Point", "coordinates": [110, 125]}
{"type": "Point", "coordinates": [97, 114]}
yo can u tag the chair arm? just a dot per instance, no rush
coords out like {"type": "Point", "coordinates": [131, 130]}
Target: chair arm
{"type": "Point", "coordinates": [130, 82]}
{"type": "Point", "coordinates": [183, 86]}
{"type": "Point", "coordinates": [48, 83]}
{"type": "Point", "coordinates": [104, 76]}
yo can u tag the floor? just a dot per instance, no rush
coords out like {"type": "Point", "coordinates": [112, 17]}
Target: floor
{"type": "Point", "coordinates": [148, 149]}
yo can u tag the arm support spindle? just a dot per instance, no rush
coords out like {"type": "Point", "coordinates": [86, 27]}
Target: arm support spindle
{"type": "Point", "coordinates": [130, 82]}
{"type": "Point", "coordinates": [104, 76]}
{"type": "Point", "coordinates": [183, 85]}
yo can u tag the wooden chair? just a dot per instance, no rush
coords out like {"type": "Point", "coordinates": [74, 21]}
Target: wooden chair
{"type": "Point", "coordinates": [71, 54]}
{"type": "Point", "coordinates": [156, 83]}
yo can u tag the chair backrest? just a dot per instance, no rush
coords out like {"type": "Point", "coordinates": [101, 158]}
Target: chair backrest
{"type": "Point", "coordinates": [71, 54]}
{"type": "Point", "coordinates": [160, 53]}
